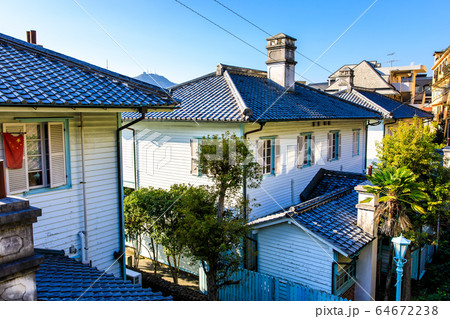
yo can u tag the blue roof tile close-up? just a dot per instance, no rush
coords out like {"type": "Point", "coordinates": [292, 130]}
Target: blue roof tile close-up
{"type": "Point", "coordinates": [32, 75]}
{"type": "Point", "coordinates": [62, 278]}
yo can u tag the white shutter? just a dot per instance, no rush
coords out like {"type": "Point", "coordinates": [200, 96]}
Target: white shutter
{"type": "Point", "coordinates": [277, 156]}
{"type": "Point", "coordinates": [301, 151]}
{"type": "Point", "coordinates": [330, 146]}
{"type": "Point", "coordinates": [313, 150]}
{"type": "Point", "coordinates": [17, 179]}
{"type": "Point", "coordinates": [57, 155]}
{"type": "Point", "coordinates": [339, 144]}
{"type": "Point", "coordinates": [194, 156]}
{"type": "Point", "coordinates": [260, 148]}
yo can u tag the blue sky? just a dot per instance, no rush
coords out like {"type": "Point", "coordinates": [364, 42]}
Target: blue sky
{"type": "Point", "coordinates": [166, 38]}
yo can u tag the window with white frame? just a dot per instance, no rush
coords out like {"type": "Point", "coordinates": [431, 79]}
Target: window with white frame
{"type": "Point", "coordinates": [334, 145]}
{"type": "Point", "coordinates": [305, 146]}
{"type": "Point", "coordinates": [196, 147]}
{"type": "Point", "coordinates": [355, 149]}
{"type": "Point", "coordinates": [269, 155]}
{"type": "Point", "coordinates": [44, 157]}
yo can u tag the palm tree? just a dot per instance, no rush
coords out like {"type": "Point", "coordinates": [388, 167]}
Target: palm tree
{"type": "Point", "coordinates": [400, 196]}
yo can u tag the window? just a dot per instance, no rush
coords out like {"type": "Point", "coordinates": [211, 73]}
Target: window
{"type": "Point", "coordinates": [355, 149]}
{"type": "Point", "coordinates": [44, 157]}
{"type": "Point", "coordinates": [334, 145]}
{"type": "Point", "coordinates": [196, 168]}
{"type": "Point", "coordinates": [344, 273]}
{"type": "Point", "coordinates": [305, 146]}
{"type": "Point", "coordinates": [269, 155]}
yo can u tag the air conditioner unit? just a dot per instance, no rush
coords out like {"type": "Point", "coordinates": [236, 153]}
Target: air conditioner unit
{"type": "Point", "coordinates": [134, 276]}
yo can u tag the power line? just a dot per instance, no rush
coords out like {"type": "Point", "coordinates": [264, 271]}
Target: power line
{"type": "Point", "coordinates": [229, 32]}
{"type": "Point", "coordinates": [259, 28]}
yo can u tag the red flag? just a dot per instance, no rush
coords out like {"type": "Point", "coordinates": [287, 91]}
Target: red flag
{"type": "Point", "coordinates": [13, 150]}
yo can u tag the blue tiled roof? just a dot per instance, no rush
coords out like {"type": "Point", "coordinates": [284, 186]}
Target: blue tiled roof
{"type": "Point", "coordinates": [332, 180]}
{"type": "Point", "coordinates": [389, 107]}
{"type": "Point", "coordinates": [206, 99]}
{"type": "Point", "coordinates": [330, 211]}
{"type": "Point", "coordinates": [61, 278]}
{"type": "Point", "coordinates": [335, 222]}
{"type": "Point", "coordinates": [268, 102]}
{"type": "Point", "coordinates": [32, 75]}
{"type": "Point", "coordinates": [211, 98]}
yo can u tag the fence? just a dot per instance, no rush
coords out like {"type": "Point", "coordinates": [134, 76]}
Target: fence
{"type": "Point", "coordinates": [255, 286]}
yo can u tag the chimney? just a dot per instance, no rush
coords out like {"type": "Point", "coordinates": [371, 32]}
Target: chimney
{"type": "Point", "coordinates": [281, 60]}
{"type": "Point", "coordinates": [366, 264]}
{"type": "Point", "coordinates": [31, 37]}
{"type": "Point", "coordinates": [346, 77]}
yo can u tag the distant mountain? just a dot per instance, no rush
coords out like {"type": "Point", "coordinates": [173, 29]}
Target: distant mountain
{"type": "Point", "coordinates": [155, 79]}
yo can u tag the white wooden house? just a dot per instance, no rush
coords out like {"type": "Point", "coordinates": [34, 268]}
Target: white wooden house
{"type": "Point", "coordinates": [393, 112]}
{"type": "Point", "coordinates": [295, 132]}
{"type": "Point", "coordinates": [69, 114]}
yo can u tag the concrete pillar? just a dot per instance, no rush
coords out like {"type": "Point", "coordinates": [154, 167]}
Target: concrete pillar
{"type": "Point", "coordinates": [18, 262]}
{"type": "Point", "coordinates": [366, 265]}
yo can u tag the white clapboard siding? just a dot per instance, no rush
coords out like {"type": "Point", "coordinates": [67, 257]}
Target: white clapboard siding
{"type": "Point", "coordinates": [17, 178]}
{"type": "Point", "coordinates": [164, 151]}
{"type": "Point", "coordinates": [286, 251]}
{"type": "Point", "coordinates": [62, 209]}
{"type": "Point", "coordinates": [57, 157]}
{"type": "Point", "coordinates": [285, 188]}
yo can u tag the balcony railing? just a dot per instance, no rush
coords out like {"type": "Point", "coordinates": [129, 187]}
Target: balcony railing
{"type": "Point", "coordinates": [403, 87]}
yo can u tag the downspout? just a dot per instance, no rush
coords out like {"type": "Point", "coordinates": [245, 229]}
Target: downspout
{"type": "Point", "coordinates": [120, 255]}
{"type": "Point", "coordinates": [134, 157]}
{"type": "Point", "coordinates": [366, 140]}
{"type": "Point", "coordinates": [244, 186]}
{"type": "Point", "coordinates": [85, 234]}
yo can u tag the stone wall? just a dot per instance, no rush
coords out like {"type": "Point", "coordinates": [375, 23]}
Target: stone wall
{"type": "Point", "coordinates": [18, 262]}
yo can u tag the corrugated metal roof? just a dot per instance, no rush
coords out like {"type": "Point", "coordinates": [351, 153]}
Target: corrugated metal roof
{"type": "Point", "coordinates": [211, 98]}
{"type": "Point", "coordinates": [31, 75]}
{"type": "Point", "coordinates": [61, 278]}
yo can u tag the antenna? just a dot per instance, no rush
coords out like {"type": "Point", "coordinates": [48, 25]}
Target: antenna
{"type": "Point", "coordinates": [107, 64]}
{"type": "Point", "coordinates": [391, 60]}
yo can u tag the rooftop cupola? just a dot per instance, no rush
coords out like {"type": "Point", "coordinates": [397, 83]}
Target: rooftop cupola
{"type": "Point", "coordinates": [281, 60]}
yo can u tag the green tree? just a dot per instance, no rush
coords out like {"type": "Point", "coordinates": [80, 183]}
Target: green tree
{"type": "Point", "coordinates": [143, 208]}
{"type": "Point", "coordinates": [167, 229]}
{"type": "Point", "coordinates": [412, 145]}
{"type": "Point", "coordinates": [215, 242]}
{"type": "Point", "coordinates": [400, 196]}
{"type": "Point", "coordinates": [214, 224]}
{"type": "Point", "coordinates": [229, 163]}
{"type": "Point", "coordinates": [136, 221]}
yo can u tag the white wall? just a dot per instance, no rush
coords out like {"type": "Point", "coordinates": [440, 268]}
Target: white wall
{"type": "Point", "coordinates": [62, 210]}
{"type": "Point", "coordinates": [374, 134]}
{"type": "Point", "coordinates": [281, 191]}
{"type": "Point", "coordinates": [286, 251]}
{"type": "Point", "coordinates": [164, 152]}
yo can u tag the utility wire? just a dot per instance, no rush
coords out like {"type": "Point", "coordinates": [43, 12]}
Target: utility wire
{"type": "Point", "coordinates": [259, 28]}
{"type": "Point", "coordinates": [229, 32]}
